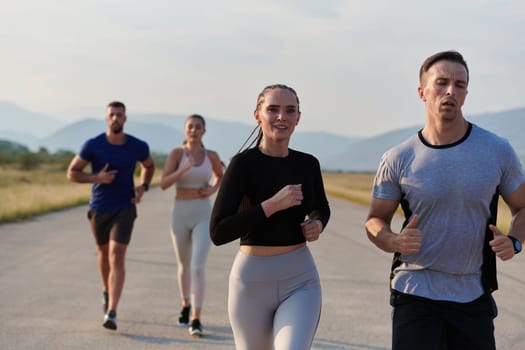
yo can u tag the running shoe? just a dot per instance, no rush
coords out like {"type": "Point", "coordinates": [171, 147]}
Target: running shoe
{"type": "Point", "coordinates": [195, 329]}
{"type": "Point", "coordinates": [184, 319]}
{"type": "Point", "coordinates": [110, 320]}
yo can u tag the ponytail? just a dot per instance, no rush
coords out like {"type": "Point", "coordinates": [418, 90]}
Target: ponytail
{"type": "Point", "coordinates": [256, 140]}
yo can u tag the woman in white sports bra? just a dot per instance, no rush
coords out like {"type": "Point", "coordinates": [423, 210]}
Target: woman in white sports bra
{"type": "Point", "coordinates": [190, 168]}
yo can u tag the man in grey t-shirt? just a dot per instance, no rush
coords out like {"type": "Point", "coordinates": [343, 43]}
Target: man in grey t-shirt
{"type": "Point", "coordinates": [447, 179]}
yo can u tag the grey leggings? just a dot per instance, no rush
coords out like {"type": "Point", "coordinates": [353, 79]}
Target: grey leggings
{"type": "Point", "coordinates": [190, 227]}
{"type": "Point", "coordinates": [275, 301]}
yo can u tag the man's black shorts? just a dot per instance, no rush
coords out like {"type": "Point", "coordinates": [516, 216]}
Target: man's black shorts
{"type": "Point", "coordinates": [114, 225]}
{"type": "Point", "coordinates": [421, 323]}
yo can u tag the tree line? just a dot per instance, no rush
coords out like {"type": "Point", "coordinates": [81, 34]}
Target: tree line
{"type": "Point", "coordinates": [21, 157]}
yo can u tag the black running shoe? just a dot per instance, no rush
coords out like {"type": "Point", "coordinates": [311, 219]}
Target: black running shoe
{"type": "Point", "coordinates": [184, 319]}
{"type": "Point", "coordinates": [195, 329]}
{"type": "Point", "coordinates": [110, 320]}
{"type": "Point", "coordinates": [105, 302]}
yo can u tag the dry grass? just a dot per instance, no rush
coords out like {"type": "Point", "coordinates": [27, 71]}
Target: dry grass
{"type": "Point", "coordinates": [355, 187]}
{"type": "Point", "coordinates": [28, 193]}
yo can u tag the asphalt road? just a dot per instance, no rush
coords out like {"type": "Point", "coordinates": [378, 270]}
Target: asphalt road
{"type": "Point", "coordinates": [50, 294]}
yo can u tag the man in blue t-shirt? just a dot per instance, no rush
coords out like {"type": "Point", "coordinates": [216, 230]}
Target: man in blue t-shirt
{"type": "Point", "coordinates": [113, 156]}
{"type": "Point", "coordinates": [447, 178]}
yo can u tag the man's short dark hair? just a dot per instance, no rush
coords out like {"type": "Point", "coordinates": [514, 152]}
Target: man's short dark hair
{"type": "Point", "coordinates": [450, 55]}
{"type": "Point", "coordinates": [117, 104]}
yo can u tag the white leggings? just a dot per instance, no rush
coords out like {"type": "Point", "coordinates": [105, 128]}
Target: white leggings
{"type": "Point", "coordinates": [274, 302]}
{"type": "Point", "coordinates": [190, 227]}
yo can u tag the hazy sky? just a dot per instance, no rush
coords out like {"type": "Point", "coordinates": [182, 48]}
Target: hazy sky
{"type": "Point", "coordinates": [354, 64]}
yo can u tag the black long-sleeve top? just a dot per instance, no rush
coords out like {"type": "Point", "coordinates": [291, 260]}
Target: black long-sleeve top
{"type": "Point", "coordinates": [256, 177]}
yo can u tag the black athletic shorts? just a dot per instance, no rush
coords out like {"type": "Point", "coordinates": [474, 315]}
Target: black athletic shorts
{"type": "Point", "coordinates": [114, 225]}
{"type": "Point", "coordinates": [421, 323]}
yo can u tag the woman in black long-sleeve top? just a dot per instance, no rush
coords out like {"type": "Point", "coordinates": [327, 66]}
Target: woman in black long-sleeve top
{"type": "Point", "coordinates": [272, 198]}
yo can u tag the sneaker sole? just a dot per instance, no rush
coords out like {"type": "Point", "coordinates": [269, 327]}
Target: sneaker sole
{"type": "Point", "coordinates": [110, 325]}
{"type": "Point", "coordinates": [196, 334]}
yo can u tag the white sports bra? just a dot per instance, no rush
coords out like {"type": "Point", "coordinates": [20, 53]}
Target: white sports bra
{"type": "Point", "coordinates": [197, 176]}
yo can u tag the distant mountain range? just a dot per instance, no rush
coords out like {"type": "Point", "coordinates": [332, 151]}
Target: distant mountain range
{"type": "Point", "coordinates": [163, 132]}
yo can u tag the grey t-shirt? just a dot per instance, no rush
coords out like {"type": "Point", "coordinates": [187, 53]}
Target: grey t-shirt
{"type": "Point", "coordinates": [451, 188]}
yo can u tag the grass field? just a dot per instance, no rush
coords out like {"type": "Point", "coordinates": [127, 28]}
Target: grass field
{"type": "Point", "coordinates": [29, 193]}
{"type": "Point", "coordinates": [355, 187]}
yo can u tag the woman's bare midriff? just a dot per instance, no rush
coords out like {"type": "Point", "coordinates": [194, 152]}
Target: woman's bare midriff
{"type": "Point", "coordinates": [187, 193]}
{"type": "Point", "coordinates": [259, 250]}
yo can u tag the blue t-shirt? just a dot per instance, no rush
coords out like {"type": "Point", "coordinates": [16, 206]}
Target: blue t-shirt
{"type": "Point", "coordinates": [123, 158]}
{"type": "Point", "coordinates": [454, 190]}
